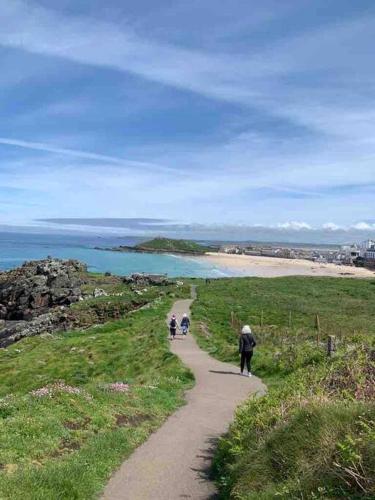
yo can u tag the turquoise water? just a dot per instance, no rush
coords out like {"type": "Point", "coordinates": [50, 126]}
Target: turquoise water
{"type": "Point", "coordinates": [16, 248]}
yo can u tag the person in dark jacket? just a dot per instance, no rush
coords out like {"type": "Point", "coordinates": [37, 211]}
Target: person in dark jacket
{"type": "Point", "coordinates": [173, 325]}
{"type": "Point", "coordinates": [185, 324]}
{"type": "Point", "coordinates": [246, 346]}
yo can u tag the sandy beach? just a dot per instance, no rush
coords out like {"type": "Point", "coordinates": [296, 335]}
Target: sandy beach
{"type": "Point", "coordinates": [249, 265]}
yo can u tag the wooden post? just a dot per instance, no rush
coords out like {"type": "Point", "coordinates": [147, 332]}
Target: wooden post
{"type": "Point", "coordinates": [261, 318]}
{"type": "Point", "coordinates": [232, 318]}
{"type": "Point", "coordinates": [290, 319]}
{"type": "Point", "coordinates": [331, 345]}
{"type": "Point", "coordinates": [317, 326]}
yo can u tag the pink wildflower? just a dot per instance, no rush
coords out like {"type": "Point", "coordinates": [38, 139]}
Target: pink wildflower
{"type": "Point", "coordinates": [57, 387]}
{"type": "Point", "coordinates": [118, 387]}
{"type": "Point", "coordinates": [42, 392]}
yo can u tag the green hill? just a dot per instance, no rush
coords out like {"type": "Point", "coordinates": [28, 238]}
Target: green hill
{"type": "Point", "coordinates": [173, 246]}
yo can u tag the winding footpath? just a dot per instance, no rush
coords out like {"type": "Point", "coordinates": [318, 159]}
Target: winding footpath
{"type": "Point", "coordinates": [174, 462]}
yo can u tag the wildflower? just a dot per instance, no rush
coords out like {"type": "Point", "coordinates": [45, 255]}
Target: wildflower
{"type": "Point", "coordinates": [118, 387]}
{"type": "Point", "coordinates": [57, 387]}
{"type": "Point", "coordinates": [61, 387]}
{"type": "Point", "coordinates": [42, 392]}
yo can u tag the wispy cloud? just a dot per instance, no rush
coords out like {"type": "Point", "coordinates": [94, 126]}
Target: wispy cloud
{"type": "Point", "coordinates": [82, 154]}
{"type": "Point", "coordinates": [247, 77]}
{"type": "Point", "coordinates": [39, 30]}
{"type": "Point", "coordinates": [290, 129]}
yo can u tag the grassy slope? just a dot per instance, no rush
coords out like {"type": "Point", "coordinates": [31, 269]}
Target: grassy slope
{"type": "Point", "coordinates": [346, 308]}
{"type": "Point", "coordinates": [313, 435]}
{"type": "Point", "coordinates": [66, 446]}
{"type": "Point", "coordinates": [171, 245]}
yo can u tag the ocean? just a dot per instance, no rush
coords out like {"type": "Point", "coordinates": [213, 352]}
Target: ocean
{"type": "Point", "coordinates": [16, 248]}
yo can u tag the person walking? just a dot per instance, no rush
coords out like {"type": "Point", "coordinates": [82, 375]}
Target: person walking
{"type": "Point", "coordinates": [185, 324]}
{"type": "Point", "coordinates": [173, 325]}
{"type": "Point", "coordinates": [246, 346]}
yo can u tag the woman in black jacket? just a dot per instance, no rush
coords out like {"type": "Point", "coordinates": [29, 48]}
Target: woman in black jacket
{"type": "Point", "coordinates": [246, 345]}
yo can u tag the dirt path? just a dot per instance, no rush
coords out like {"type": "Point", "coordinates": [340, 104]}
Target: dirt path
{"type": "Point", "coordinates": [174, 462]}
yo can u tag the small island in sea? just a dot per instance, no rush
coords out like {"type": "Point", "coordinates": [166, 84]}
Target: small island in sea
{"type": "Point", "coordinates": [166, 245]}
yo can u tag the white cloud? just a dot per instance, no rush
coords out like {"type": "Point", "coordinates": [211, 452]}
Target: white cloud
{"type": "Point", "coordinates": [363, 226]}
{"type": "Point", "coordinates": [331, 226]}
{"type": "Point", "coordinates": [294, 225]}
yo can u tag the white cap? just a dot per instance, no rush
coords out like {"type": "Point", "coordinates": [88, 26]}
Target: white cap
{"type": "Point", "coordinates": [246, 329]}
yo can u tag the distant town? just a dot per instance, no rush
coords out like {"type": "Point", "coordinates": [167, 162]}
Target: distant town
{"type": "Point", "coordinates": [361, 254]}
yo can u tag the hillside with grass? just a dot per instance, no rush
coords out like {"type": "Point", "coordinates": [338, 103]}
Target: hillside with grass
{"type": "Point", "coordinates": [313, 434]}
{"type": "Point", "coordinates": [74, 404]}
{"type": "Point", "coordinates": [173, 246]}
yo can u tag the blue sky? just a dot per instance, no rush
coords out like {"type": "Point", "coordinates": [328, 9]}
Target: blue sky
{"type": "Point", "coordinates": [231, 112]}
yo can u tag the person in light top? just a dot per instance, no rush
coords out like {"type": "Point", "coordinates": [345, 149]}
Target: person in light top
{"type": "Point", "coordinates": [185, 324]}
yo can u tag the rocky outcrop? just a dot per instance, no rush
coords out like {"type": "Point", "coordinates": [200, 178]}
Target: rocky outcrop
{"type": "Point", "coordinates": [141, 279]}
{"type": "Point", "coordinates": [35, 299]}
{"type": "Point", "coordinates": [37, 286]}
{"type": "Point", "coordinates": [45, 323]}
{"type": "Point", "coordinates": [66, 318]}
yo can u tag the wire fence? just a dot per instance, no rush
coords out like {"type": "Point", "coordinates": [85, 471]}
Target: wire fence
{"type": "Point", "coordinates": [289, 331]}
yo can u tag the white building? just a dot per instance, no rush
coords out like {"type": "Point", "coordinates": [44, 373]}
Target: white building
{"type": "Point", "coordinates": [370, 253]}
{"type": "Point", "coordinates": [367, 245]}
{"type": "Point", "coordinates": [349, 253]}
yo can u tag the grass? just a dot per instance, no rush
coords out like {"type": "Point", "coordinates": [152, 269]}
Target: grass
{"type": "Point", "coordinates": [313, 434]}
{"type": "Point", "coordinates": [66, 443]}
{"type": "Point", "coordinates": [286, 308]}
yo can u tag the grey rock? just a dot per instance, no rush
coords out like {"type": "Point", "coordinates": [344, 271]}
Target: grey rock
{"type": "Point", "coordinates": [30, 290]}
{"type": "Point", "coordinates": [141, 279]}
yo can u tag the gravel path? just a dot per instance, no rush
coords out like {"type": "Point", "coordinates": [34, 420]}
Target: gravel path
{"type": "Point", "coordinates": [174, 462]}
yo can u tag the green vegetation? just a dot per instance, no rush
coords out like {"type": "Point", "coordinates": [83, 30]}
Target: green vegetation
{"type": "Point", "coordinates": [313, 434]}
{"type": "Point", "coordinates": [171, 245]}
{"type": "Point", "coordinates": [74, 405]}
{"type": "Point", "coordinates": [120, 299]}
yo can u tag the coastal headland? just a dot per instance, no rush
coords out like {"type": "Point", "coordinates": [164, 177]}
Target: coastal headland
{"type": "Point", "coordinates": [165, 245]}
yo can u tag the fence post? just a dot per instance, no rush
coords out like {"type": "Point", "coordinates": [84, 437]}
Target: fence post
{"type": "Point", "coordinates": [232, 318]}
{"type": "Point", "coordinates": [261, 318]}
{"type": "Point", "coordinates": [317, 326]}
{"type": "Point", "coordinates": [331, 345]}
{"type": "Point", "coordinates": [290, 319]}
